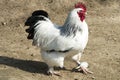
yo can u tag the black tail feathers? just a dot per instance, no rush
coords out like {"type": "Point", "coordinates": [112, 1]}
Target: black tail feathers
{"type": "Point", "coordinates": [40, 12]}
{"type": "Point", "coordinates": [36, 16]}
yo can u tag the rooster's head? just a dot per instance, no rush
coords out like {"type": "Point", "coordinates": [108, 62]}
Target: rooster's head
{"type": "Point", "coordinates": [81, 10]}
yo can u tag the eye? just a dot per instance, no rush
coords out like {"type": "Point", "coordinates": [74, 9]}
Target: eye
{"type": "Point", "coordinates": [80, 11]}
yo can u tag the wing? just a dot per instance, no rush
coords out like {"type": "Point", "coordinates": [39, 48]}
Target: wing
{"type": "Point", "coordinates": [48, 37]}
{"type": "Point", "coordinates": [45, 34]}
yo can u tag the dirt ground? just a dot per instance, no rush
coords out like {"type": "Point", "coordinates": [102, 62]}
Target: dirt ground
{"type": "Point", "coordinates": [19, 60]}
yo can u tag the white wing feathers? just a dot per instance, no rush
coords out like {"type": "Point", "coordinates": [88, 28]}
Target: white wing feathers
{"type": "Point", "coordinates": [47, 37]}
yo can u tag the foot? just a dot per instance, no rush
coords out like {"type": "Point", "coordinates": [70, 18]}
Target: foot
{"type": "Point", "coordinates": [53, 73]}
{"type": "Point", "coordinates": [82, 67]}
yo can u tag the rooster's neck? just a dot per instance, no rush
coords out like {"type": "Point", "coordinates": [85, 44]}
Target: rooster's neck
{"type": "Point", "coordinates": [71, 28]}
{"type": "Point", "coordinates": [73, 25]}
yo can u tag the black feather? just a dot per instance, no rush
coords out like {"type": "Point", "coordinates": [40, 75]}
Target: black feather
{"type": "Point", "coordinates": [38, 15]}
{"type": "Point", "coordinates": [40, 12]}
{"type": "Point", "coordinates": [61, 51]}
{"type": "Point", "coordinates": [35, 17]}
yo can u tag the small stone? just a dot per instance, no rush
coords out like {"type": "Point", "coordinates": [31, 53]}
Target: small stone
{"type": "Point", "coordinates": [51, 1]}
{"type": "Point", "coordinates": [32, 54]}
{"type": "Point", "coordinates": [3, 23]}
{"type": "Point", "coordinates": [5, 66]}
{"type": "Point", "coordinates": [90, 31]}
{"type": "Point", "coordinates": [33, 74]}
{"type": "Point", "coordinates": [27, 48]}
{"type": "Point", "coordinates": [21, 40]}
{"type": "Point", "coordinates": [115, 39]}
{"type": "Point", "coordinates": [93, 77]}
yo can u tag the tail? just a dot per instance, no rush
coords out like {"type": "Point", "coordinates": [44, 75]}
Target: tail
{"type": "Point", "coordinates": [31, 21]}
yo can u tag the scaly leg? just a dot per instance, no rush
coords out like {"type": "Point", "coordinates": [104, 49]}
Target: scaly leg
{"type": "Point", "coordinates": [77, 58]}
{"type": "Point", "coordinates": [52, 72]}
{"type": "Point", "coordinates": [81, 66]}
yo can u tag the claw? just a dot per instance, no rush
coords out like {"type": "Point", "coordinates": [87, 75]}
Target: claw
{"type": "Point", "coordinates": [83, 67]}
{"type": "Point", "coordinates": [85, 70]}
{"type": "Point", "coordinates": [53, 73]}
{"type": "Point", "coordinates": [56, 73]}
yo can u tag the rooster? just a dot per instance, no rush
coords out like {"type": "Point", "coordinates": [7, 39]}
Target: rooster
{"type": "Point", "coordinates": [57, 42]}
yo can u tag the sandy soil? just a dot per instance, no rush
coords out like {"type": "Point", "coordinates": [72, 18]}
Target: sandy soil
{"type": "Point", "coordinates": [19, 60]}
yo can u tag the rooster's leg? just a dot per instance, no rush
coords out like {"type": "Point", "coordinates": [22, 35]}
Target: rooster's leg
{"type": "Point", "coordinates": [77, 58]}
{"type": "Point", "coordinates": [82, 66]}
{"type": "Point", "coordinates": [52, 72]}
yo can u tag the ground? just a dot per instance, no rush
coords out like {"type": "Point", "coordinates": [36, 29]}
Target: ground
{"type": "Point", "coordinates": [19, 60]}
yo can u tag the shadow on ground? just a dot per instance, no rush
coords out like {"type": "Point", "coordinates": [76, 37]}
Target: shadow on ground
{"type": "Point", "coordinates": [26, 65]}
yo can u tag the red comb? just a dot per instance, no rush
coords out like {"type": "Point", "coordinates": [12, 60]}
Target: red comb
{"type": "Point", "coordinates": [80, 5]}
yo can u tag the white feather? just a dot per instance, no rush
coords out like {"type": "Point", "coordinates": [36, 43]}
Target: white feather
{"type": "Point", "coordinates": [53, 59]}
{"type": "Point", "coordinates": [84, 64]}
